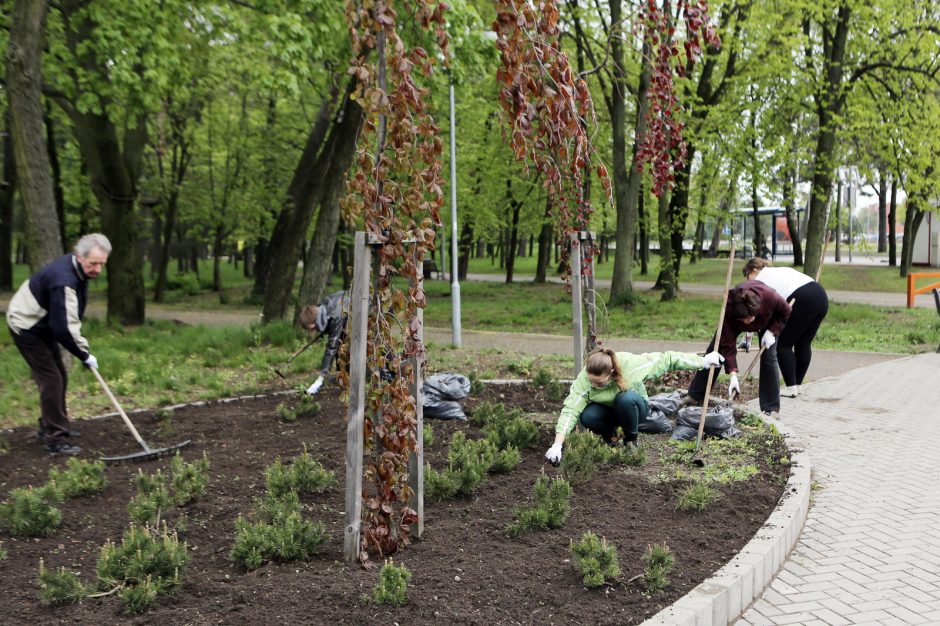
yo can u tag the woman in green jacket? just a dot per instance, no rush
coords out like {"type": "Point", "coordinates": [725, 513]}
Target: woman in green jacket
{"type": "Point", "coordinates": [609, 392]}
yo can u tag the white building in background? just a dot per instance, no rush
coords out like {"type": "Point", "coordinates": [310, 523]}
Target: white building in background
{"type": "Point", "coordinates": [926, 250]}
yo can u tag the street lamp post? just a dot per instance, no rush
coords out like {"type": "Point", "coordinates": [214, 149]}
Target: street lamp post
{"type": "Point", "coordinates": [454, 283]}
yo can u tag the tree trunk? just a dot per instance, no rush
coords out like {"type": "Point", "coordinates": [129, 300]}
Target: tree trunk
{"type": "Point", "coordinates": [716, 237]}
{"type": "Point", "coordinates": [163, 261]}
{"type": "Point", "coordinates": [912, 220]}
{"type": "Point", "coordinates": [53, 150]}
{"type": "Point", "coordinates": [341, 148]}
{"type": "Point", "coordinates": [218, 241]}
{"type": "Point", "coordinates": [667, 273]}
{"type": "Point", "coordinates": [644, 243]}
{"type": "Point", "coordinates": [882, 211]}
{"type": "Point", "coordinates": [829, 105]}
{"type": "Point", "coordinates": [466, 248]}
{"type": "Point", "coordinates": [545, 244]}
{"type": "Point", "coordinates": [892, 225]}
{"type": "Point", "coordinates": [838, 257]}
{"type": "Point", "coordinates": [114, 169]}
{"type": "Point", "coordinates": [627, 187]}
{"type": "Point", "coordinates": [509, 250]}
{"type": "Point", "coordinates": [793, 221]}
{"type": "Point", "coordinates": [279, 265]}
{"type": "Point", "coordinates": [758, 239]}
{"type": "Point", "coordinates": [24, 88]}
{"type": "Point", "coordinates": [7, 193]}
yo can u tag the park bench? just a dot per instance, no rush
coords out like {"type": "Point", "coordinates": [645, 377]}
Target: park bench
{"type": "Point", "coordinates": [429, 268]}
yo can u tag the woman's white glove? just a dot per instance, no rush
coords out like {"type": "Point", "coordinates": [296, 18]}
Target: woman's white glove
{"type": "Point", "coordinates": [714, 359]}
{"type": "Point", "coordinates": [553, 455]}
{"type": "Point", "coordinates": [733, 387]}
{"type": "Point", "coordinates": [91, 362]}
{"type": "Point", "coordinates": [315, 387]}
{"type": "Point", "coordinates": [768, 339]}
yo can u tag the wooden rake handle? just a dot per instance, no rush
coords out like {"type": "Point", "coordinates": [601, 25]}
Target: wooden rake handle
{"type": "Point", "coordinates": [127, 420]}
{"type": "Point", "coordinates": [711, 370]}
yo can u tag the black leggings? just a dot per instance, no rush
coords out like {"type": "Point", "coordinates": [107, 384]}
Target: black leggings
{"type": "Point", "coordinates": [794, 346]}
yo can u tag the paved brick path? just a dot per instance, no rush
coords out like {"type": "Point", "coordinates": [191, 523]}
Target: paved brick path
{"type": "Point", "coordinates": [870, 550]}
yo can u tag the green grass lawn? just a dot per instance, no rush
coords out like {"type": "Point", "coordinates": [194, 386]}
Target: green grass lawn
{"type": "Point", "coordinates": [527, 307]}
{"type": "Point", "coordinates": [164, 363]}
{"type": "Point", "coordinates": [839, 277]}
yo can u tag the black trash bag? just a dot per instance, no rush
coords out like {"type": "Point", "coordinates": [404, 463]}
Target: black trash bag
{"type": "Point", "coordinates": [662, 407]}
{"type": "Point", "coordinates": [719, 422]}
{"type": "Point", "coordinates": [441, 393]}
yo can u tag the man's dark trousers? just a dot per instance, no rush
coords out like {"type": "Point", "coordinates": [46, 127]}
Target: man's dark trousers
{"type": "Point", "coordinates": [48, 370]}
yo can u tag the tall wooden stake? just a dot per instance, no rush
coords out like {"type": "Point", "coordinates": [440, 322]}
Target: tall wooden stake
{"type": "Point", "coordinates": [359, 313]}
{"type": "Point", "coordinates": [576, 304]}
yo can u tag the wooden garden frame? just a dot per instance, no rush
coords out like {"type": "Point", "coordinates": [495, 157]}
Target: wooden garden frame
{"type": "Point", "coordinates": [358, 331]}
{"type": "Point", "coordinates": [577, 297]}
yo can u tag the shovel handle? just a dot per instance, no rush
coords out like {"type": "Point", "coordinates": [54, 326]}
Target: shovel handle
{"type": "Point", "coordinates": [127, 420]}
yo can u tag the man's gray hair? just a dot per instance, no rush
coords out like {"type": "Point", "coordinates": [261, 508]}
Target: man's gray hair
{"type": "Point", "coordinates": [92, 240]}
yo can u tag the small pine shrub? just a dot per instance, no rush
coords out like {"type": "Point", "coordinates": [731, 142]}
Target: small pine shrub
{"type": "Point", "coordinates": [309, 476]}
{"type": "Point", "coordinates": [277, 506]}
{"type": "Point", "coordinates": [143, 552]}
{"type": "Point", "coordinates": [148, 562]}
{"type": "Point", "coordinates": [697, 496]}
{"type": "Point", "coordinates": [485, 412]}
{"type": "Point", "coordinates": [303, 475]}
{"type": "Point", "coordinates": [189, 480]}
{"type": "Point", "coordinates": [163, 414]}
{"type": "Point", "coordinates": [516, 431]}
{"type": "Point", "coordinates": [659, 561]}
{"type": "Point", "coordinates": [137, 598]}
{"type": "Point", "coordinates": [467, 463]}
{"type": "Point", "coordinates": [392, 587]}
{"type": "Point", "coordinates": [550, 510]}
{"type": "Point", "coordinates": [584, 452]}
{"type": "Point", "coordinates": [308, 407]}
{"type": "Point", "coordinates": [545, 379]}
{"type": "Point", "coordinates": [293, 538]}
{"type": "Point", "coordinates": [285, 412]}
{"type": "Point", "coordinates": [277, 478]}
{"type": "Point", "coordinates": [152, 499]}
{"type": "Point", "coordinates": [252, 541]}
{"type": "Point", "coordinates": [627, 455]}
{"type": "Point", "coordinates": [3, 553]}
{"type": "Point", "coordinates": [505, 461]}
{"type": "Point", "coordinates": [4, 446]}
{"type": "Point", "coordinates": [476, 385]}
{"type": "Point", "coordinates": [60, 586]}
{"type": "Point", "coordinates": [595, 560]}
{"type": "Point", "coordinates": [439, 486]}
{"type": "Point", "coordinates": [79, 478]}
{"type": "Point", "coordinates": [32, 512]}
{"type": "Point", "coordinates": [280, 533]}
{"type": "Point", "coordinates": [428, 436]}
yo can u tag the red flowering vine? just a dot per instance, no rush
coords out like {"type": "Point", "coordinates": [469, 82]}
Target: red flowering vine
{"type": "Point", "coordinates": [396, 191]}
{"type": "Point", "coordinates": [547, 107]}
{"type": "Point", "coordinates": [663, 147]}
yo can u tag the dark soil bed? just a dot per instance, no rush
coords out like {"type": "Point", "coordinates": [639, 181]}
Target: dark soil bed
{"type": "Point", "coordinates": [465, 570]}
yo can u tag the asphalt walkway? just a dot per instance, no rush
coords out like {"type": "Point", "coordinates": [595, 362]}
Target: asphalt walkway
{"type": "Point", "coordinates": [869, 552]}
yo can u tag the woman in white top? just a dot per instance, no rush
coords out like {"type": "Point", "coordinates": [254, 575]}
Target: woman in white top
{"type": "Point", "coordinates": [809, 309]}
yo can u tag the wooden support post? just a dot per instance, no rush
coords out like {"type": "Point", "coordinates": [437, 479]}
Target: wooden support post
{"type": "Point", "coordinates": [591, 300]}
{"type": "Point", "coordinates": [416, 460]}
{"type": "Point", "coordinates": [576, 308]}
{"type": "Point", "coordinates": [359, 319]}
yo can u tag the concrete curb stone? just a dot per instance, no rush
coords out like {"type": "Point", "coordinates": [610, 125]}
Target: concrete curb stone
{"type": "Point", "coordinates": [724, 596]}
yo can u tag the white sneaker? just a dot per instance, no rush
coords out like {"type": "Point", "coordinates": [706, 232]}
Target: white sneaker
{"type": "Point", "coordinates": [790, 392]}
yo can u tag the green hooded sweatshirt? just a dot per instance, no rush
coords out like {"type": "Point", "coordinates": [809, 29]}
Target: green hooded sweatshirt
{"type": "Point", "coordinates": [635, 369]}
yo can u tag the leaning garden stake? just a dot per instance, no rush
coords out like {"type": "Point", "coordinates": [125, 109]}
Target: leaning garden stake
{"type": "Point", "coordinates": [697, 458]}
{"type": "Point", "coordinates": [148, 452]}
